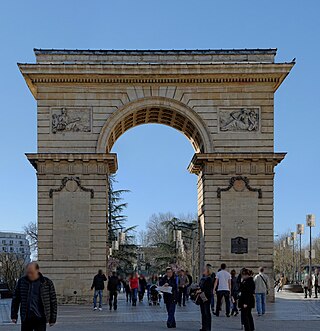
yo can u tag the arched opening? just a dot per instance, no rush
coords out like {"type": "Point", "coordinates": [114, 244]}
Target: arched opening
{"type": "Point", "coordinates": [161, 188]}
{"type": "Point", "coordinates": [157, 115]}
{"type": "Point", "coordinates": [140, 172]}
{"type": "Point", "coordinates": [156, 110]}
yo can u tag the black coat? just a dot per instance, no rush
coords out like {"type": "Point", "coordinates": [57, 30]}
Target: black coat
{"type": "Point", "coordinates": [170, 297]}
{"type": "Point", "coordinates": [206, 286]}
{"type": "Point", "coordinates": [113, 283]}
{"type": "Point", "coordinates": [98, 282]}
{"type": "Point", "coordinates": [246, 293]}
{"type": "Point", "coordinates": [47, 294]}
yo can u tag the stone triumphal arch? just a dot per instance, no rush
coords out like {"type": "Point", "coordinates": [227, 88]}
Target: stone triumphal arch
{"type": "Point", "coordinates": [221, 100]}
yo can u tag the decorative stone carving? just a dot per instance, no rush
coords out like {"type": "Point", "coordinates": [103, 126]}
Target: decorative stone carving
{"type": "Point", "coordinates": [71, 120]}
{"type": "Point", "coordinates": [71, 187]}
{"type": "Point", "coordinates": [239, 120]}
{"type": "Point", "coordinates": [239, 183]}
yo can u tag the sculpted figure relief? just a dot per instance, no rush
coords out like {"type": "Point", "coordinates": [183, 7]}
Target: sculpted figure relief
{"type": "Point", "coordinates": [239, 120]}
{"type": "Point", "coordinates": [71, 120]}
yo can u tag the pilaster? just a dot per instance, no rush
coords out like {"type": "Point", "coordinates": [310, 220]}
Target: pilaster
{"type": "Point", "coordinates": [72, 219]}
{"type": "Point", "coordinates": [235, 195]}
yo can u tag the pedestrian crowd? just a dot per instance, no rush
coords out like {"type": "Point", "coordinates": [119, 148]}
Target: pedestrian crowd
{"type": "Point", "coordinates": [239, 292]}
{"type": "Point", "coordinates": [309, 283]}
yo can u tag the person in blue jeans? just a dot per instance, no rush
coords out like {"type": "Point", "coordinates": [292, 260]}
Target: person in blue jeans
{"type": "Point", "coordinates": [170, 299]}
{"type": "Point", "coordinates": [98, 287]}
{"type": "Point", "coordinates": [262, 287]}
{"type": "Point", "coordinates": [223, 286]}
{"type": "Point", "coordinates": [134, 286]}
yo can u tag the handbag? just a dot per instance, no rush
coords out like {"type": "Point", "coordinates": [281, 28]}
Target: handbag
{"type": "Point", "coordinates": [200, 298]}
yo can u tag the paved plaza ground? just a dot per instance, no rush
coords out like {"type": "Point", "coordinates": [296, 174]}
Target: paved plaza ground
{"type": "Point", "coordinates": [290, 311]}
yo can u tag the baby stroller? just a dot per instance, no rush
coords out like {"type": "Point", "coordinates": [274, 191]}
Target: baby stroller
{"type": "Point", "coordinates": [154, 297]}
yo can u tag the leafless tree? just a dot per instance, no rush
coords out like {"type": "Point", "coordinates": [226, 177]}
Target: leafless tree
{"type": "Point", "coordinates": [12, 268]}
{"type": "Point", "coordinates": [31, 231]}
{"type": "Point", "coordinates": [160, 235]}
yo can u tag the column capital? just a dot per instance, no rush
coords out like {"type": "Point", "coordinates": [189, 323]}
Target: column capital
{"type": "Point", "coordinates": [44, 162]}
{"type": "Point", "coordinates": [200, 160]}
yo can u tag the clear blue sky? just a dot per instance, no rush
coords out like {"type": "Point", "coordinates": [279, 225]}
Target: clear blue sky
{"type": "Point", "coordinates": [291, 26]}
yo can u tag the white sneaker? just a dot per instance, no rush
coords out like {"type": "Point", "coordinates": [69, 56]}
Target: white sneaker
{"type": "Point", "coordinates": [100, 309]}
{"type": "Point", "coordinates": [95, 308]}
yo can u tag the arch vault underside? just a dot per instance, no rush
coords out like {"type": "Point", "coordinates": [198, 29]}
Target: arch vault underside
{"type": "Point", "coordinates": [221, 100]}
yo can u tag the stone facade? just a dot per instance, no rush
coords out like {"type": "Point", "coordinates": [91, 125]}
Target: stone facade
{"type": "Point", "coordinates": [221, 100]}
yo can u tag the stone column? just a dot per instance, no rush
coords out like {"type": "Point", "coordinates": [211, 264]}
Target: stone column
{"type": "Point", "coordinates": [235, 193]}
{"type": "Point", "coordinates": [72, 219]}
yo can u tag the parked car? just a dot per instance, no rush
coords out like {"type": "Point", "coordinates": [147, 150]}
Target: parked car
{"type": "Point", "coordinates": [5, 293]}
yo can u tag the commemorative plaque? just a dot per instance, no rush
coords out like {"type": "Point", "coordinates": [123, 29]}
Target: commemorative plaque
{"type": "Point", "coordinates": [239, 245]}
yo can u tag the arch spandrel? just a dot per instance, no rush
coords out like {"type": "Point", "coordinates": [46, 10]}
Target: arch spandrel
{"type": "Point", "coordinates": [156, 110]}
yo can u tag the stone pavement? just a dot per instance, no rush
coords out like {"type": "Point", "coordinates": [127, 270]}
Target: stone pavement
{"type": "Point", "coordinates": [290, 311]}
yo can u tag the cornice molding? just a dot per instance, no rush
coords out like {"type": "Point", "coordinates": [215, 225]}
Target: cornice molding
{"type": "Point", "coordinates": [156, 80]}
{"type": "Point", "coordinates": [200, 160]}
{"type": "Point", "coordinates": [155, 73]}
{"type": "Point", "coordinates": [110, 159]}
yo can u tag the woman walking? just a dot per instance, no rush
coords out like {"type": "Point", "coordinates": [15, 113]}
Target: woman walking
{"type": "Point", "coordinates": [170, 297]}
{"type": "Point", "coordinates": [246, 299]}
{"type": "Point", "coordinates": [134, 285]}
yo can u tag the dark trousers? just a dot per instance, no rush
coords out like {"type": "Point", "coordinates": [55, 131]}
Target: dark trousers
{"type": "Point", "coordinates": [226, 296]}
{"type": "Point", "coordinates": [128, 295]}
{"type": "Point", "coordinates": [113, 299]}
{"type": "Point", "coordinates": [247, 319]}
{"type": "Point", "coordinates": [171, 309]}
{"type": "Point", "coordinates": [307, 291]}
{"type": "Point", "coordinates": [34, 325]}
{"type": "Point", "coordinates": [205, 316]}
{"type": "Point", "coordinates": [141, 294]}
{"type": "Point", "coordinates": [316, 290]}
{"type": "Point", "coordinates": [182, 295]}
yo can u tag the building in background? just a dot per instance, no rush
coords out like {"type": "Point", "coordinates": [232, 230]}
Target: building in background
{"type": "Point", "coordinates": [15, 243]}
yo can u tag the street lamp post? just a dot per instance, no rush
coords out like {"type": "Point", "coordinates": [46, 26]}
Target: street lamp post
{"type": "Point", "coordinates": [284, 245]}
{"type": "Point", "coordinates": [300, 232]}
{"type": "Point", "coordinates": [311, 222]}
{"type": "Point", "coordinates": [288, 243]}
{"type": "Point", "coordinates": [293, 239]}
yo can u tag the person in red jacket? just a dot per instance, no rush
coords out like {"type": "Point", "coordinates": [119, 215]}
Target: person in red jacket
{"type": "Point", "coordinates": [134, 285]}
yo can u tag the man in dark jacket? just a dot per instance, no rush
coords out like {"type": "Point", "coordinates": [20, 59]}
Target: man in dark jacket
{"type": "Point", "coordinates": [246, 299]}
{"type": "Point", "coordinates": [98, 286]}
{"type": "Point", "coordinates": [170, 299]}
{"type": "Point", "coordinates": [206, 293]}
{"type": "Point", "coordinates": [113, 285]}
{"type": "Point", "coordinates": [142, 287]}
{"type": "Point", "coordinates": [35, 296]}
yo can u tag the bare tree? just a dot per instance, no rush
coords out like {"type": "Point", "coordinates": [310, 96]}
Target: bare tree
{"type": "Point", "coordinates": [156, 231]}
{"type": "Point", "coordinates": [12, 268]}
{"type": "Point", "coordinates": [160, 234]}
{"type": "Point", "coordinates": [31, 231]}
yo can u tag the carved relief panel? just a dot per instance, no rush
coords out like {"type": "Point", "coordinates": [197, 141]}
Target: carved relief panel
{"type": "Point", "coordinates": [69, 119]}
{"type": "Point", "coordinates": [239, 119]}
